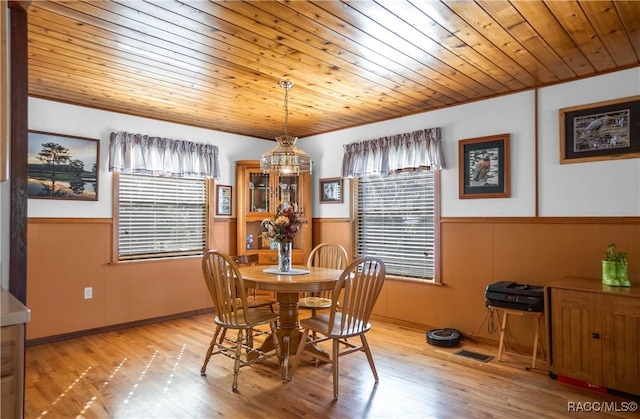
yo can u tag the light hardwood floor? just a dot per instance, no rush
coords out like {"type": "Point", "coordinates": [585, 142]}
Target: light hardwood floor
{"type": "Point", "coordinates": [153, 372]}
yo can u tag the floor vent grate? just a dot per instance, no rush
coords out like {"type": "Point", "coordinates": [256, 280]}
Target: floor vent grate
{"type": "Point", "coordinates": [473, 355]}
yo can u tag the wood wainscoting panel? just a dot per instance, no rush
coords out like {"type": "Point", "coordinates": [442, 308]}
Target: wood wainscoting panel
{"type": "Point", "coordinates": [224, 236]}
{"type": "Point", "coordinates": [396, 300]}
{"type": "Point", "coordinates": [67, 255]}
{"type": "Point", "coordinates": [63, 257]}
{"type": "Point", "coordinates": [412, 302]}
{"type": "Point", "coordinates": [475, 252]}
{"type": "Point", "coordinates": [145, 290]}
{"type": "Point", "coordinates": [533, 251]}
{"type": "Point", "coordinates": [333, 230]}
{"type": "Point", "coordinates": [536, 253]}
{"type": "Point", "coordinates": [468, 254]}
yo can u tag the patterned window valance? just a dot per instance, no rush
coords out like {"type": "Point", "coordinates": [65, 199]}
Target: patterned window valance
{"type": "Point", "coordinates": [418, 150]}
{"type": "Point", "coordinates": [137, 153]}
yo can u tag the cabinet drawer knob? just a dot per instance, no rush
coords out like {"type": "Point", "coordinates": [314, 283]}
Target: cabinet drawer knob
{"type": "Point", "coordinates": [595, 335]}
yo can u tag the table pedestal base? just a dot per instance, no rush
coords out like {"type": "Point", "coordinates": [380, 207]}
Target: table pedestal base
{"type": "Point", "coordinates": [288, 331]}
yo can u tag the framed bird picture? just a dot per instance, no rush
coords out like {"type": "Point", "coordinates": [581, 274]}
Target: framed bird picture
{"type": "Point", "coordinates": [484, 167]}
{"type": "Point", "coordinates": [600, 131]}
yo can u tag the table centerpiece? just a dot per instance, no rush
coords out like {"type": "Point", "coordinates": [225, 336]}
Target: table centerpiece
{"type": "Point", "coordinates": [282, 229]}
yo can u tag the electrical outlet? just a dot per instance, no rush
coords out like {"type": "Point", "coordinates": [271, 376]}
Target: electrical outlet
{"type": "Point", "coordinates": [88, 293]}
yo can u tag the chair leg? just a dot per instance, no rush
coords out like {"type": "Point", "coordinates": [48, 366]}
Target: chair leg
{"type": "Point", "coordinates": [276, 345]}
{"type": "Point", "coordinates": [367, 351]}
{"type": "Point", "coordinates": [249, 339]}
{"type": "Point", "coordinates": [203, 370]}
{"type": "Point", "coordinates": [236, 364]}
{"type": "Point", "coordinates": [296, 359]}
{"type": "Point", "coordinates": [334, 362]}
{"type": "Point", "coordinates": [222, 335]}
{"type": "Point", "coordinates": [314, 335]}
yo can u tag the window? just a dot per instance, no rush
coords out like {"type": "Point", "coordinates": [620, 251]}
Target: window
{"type": "Point", "coordinates": [160, 217]}
{"type": "Point", "coordinates": [395, 220]}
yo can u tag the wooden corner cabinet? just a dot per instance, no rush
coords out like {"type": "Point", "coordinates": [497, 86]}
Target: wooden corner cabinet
{"type": "Point", "coordinates": [595, 333]}
{"type": "Point", "coordinates": [258, 196]}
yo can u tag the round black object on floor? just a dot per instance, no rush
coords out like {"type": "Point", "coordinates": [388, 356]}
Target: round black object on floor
{"type": "Point", "coordinates": [443, 337]}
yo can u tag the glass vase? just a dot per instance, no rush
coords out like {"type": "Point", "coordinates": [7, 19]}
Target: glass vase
{"type": "Point", "coordinates": [284, 256]}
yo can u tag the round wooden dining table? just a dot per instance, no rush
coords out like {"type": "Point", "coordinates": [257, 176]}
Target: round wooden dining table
{"type": "Point", "coordinates": [288, 286]}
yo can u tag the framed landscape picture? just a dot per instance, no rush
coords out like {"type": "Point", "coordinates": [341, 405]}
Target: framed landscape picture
{"type": "Point", "coordinates": [62, 167]}
{"type": "Point", "coordinates": [484, 167]}
{"type": "Point", "coordinates": [600, 131]}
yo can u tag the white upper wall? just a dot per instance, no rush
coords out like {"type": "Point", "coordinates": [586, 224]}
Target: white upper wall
{"type": "Point", "coordinates": [507, 114]}
{"type": "Point", "coordinates": [610, 188]}
{"type": "Point", "coordinates": [581, 189]}
{"type": "Point", "coordinates": [66, 119]}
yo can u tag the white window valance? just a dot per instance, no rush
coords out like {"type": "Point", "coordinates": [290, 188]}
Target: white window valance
{"type": "Point", "coordinates": [418, 150]}
{"type": "Point", "coordinates": [137, 153]}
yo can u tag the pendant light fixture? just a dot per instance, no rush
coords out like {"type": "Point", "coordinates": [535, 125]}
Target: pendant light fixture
{"type": "Point", "coordinates": [286, 158]}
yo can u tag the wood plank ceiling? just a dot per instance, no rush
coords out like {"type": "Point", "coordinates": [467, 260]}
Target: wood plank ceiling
{"type": "Point", "coordinates": [216, 64]}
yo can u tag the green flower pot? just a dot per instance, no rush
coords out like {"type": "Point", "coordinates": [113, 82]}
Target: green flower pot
{"type": "Point", "coordinates": [622, 274]}
{"type": "Point", "coordinates": [609, 273]}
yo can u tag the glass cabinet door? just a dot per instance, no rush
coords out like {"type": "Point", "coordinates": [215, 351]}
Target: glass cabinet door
{"type": "Point", "coordinates": [288, 189]}
{"type": "Point", "coordinates": [259, 192]}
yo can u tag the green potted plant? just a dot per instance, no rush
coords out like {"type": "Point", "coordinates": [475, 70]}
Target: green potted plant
{"type": "Point", "coordinates": [609, 267]}
{"type": "Point", "coordinates": [614, 268]}
{"type": "Point", "coordinates": [622, 274]}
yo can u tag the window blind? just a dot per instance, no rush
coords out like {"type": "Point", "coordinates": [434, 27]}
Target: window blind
{"type": "Point", "coordinates": [395, 221]}
{"type": "Point", "coordinates": [160, 216]}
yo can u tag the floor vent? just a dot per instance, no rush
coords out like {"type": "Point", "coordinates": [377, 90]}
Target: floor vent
{"type": "Point", "coordinates": [473, 355]}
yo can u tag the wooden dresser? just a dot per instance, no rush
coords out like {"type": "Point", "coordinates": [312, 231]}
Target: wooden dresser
{"type": "Point", "coordinates": [14, 317]}
{"type": "Point", "coordinates": [594, 332]}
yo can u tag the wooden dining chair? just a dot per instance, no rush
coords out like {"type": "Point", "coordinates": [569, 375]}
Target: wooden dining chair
{"type": "Point", "coordinates": [229, 295]}
{"type": "Point", "coordinates": [361, 283]}
{"type": "Point", "coordinates": [324, 255]}
{"type": "Point", "coordinates": [254, 299]}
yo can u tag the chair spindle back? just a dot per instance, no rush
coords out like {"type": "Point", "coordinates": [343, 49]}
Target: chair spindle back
{"type": "Point", "coordinates": [226, 287]}
{"type": "Point", "coordinates": [361, 283]}
{"type": "Point", "coordinates": [328, 255]}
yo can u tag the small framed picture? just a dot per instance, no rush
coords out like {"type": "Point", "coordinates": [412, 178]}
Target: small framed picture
{"type": "Point", "coordinates": [331, 190]}
{"type": "Point", "coordinates": [223, 193]}
{"type": "Point", "coordinates": [600, 131]}
{"type": "Point", "coordinates": [484, 167]}
{"type": "Point", "coordinates": [62, 167]}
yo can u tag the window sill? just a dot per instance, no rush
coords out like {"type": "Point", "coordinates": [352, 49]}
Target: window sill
{"type": "Point", "coordinates": [163, 259]}
{"type": "Point", "coordinates": [412, 280]}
